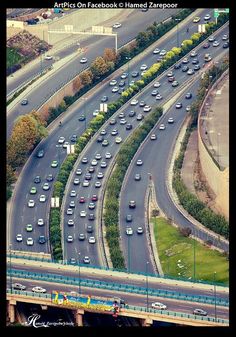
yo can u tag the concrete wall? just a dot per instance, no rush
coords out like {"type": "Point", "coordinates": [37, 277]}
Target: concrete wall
{"type": "Point", "coordinates": [30, 15]}
{"type": "Point", "coordinates": [218, 180]}
{"type": "Point", "coordinates": [14, 23]}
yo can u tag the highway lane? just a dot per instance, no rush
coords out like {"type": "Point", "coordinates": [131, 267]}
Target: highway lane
{"type": "Point", "coordinates": [157, 283]}
{"type": "Point", "coordinates": [92, 47]}
{"type": "Point", "coordinates": [130, 299]}
{"type": "Point", "coordinates": [78, 249]}
{"type": "Point", "coordinates": [21, 214]}
{"type": "Point", "coordinates": [155, 156]}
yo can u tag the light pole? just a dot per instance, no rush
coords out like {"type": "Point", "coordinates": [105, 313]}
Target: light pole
{"type": "Point", "coordinates": [177, 20]}
{"type": "Point", "coordinates": [128, 58]}
{"type": "Point", "coordinates": [128, 253]}
{"type": "Point", "coordinates": [147, 283]}
{"type": "Point", "coordinates": [79, 276]}
{"type": "Point", "coordinates": [194, 259]}
{"type": "Point", "coordinates": [10, 269]}
{"type": "Point", "coordinates": [215, 294]}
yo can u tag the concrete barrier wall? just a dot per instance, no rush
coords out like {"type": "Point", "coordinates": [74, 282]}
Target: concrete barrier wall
{"type": "Point", "coordinates": [16, 24]}
{"type": "Point", "coordinates": [218, 180]}
{"type": "Point", "coordinates": [30, 15]}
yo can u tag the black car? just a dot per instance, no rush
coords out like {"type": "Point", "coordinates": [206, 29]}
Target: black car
{"type": "Point", "coordinates": [37, 180]}
{"type": "Point", "coordinates": [196, 67]}
{"type": "Point", "coordinates": [88, 176]}
{"type": "Point", "coordinates": [132, 204]}
{"type": "Point", "coordinates": [73, 138]}
{"type": "Point", "coordinates": [134, 73]}
{"type": "Point", "coordinates": [40, 153]}
{"type": "Point", "coordinates": [132, 113]}
{"type": "Point", "coordinates": [42, 239]}
{"type": "Point", "coordinates": [195, 61]}
{"type": "Point", "coordinates": [91, 216]}
{"type": "Point", "coordinates": [104, 99]}
{"type": "Point", "coordinates": [82, 118]}
{"type": "Point", "coordinates": [177, 66]}
{"type": "Point", "coordinates": [128, 126]}
{"type": "Point", "coordinates": [100, 139]}
{"type": "Point", "coordinates": [188, 95]}
{"type": "Point", "coordinates": [49, 177]}
{"type": "Point", "coordinates": [185, 68]}
{"type": "Point", "coordinates": [129, 218]}
{"type": "Point", "coordinates": [89, 229]}
{"type": "Point", "coordinates": [81, 237]}
{"type": "Point", "coordinates": [226, 45]}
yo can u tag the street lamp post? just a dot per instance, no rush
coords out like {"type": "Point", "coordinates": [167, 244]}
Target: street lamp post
{"type": "Point", "coordinates": [10, 269]}
{"type": "Point", "coordinates": [128, 58]}
{"type": "Point", "coordinates": [178, 31]}
{"type": "Point", "coordinates": [194, 259]}
{"type": "Point", "coordinates": [128, 253]}
{"type": "Point", "coordinates": [215, 294]}
{"type": "Point", "coordinates": [79, 277]}
{"type": "Point", "coordinates": [147, 283]}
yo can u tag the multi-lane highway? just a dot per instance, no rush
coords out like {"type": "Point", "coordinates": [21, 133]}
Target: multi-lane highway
{"type": "Point", "coordinates": [21, 214]}
{"type": "Point", "coordinates": [92, 47]}
{"type": "Point", "coordinates": [78, 248]}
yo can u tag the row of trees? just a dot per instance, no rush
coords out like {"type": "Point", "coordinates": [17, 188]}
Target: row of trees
{"type": "Point", "coordinates": [27, 132]}
{"type": "Point", "coordinates": [111, 208]}
{"type": "Point", "coordinates": [94, 125]}
{"type": "Point", "coordinates": [189, 201]}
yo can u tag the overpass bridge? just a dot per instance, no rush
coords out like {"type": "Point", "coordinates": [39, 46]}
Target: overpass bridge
{"type": "Point", "coordinates": [79, 308]}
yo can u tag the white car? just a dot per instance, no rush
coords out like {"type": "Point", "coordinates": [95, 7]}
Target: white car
{"type": "Point", "coordinates": [103, 164]}
{"type": "Point", "coordinates": [117, 25]}
{"type": "Point", "coordinates": [158, 97]}
{"type": "Point", "coordinates": [153, 137]}
{"type": "Point", "coordinates": [42, 198]}
{"type": "Point", "coordinates": [69, 211]}
{"type": "Point", "coordinates": [30, 242]}
{"type": "Point", "coordinates": [65, 145]}
{"type": "Point", "coordinates": [123, 121]}
{"type": "Point", "coordinates": [158, 305]}
{"type": "Point", "coordinates": [134, 102]}
{"type": "Point", "coordinates": [115, 89]}
{"type": "Point", "coordinates": [46, 186]}
{"type": "Point", "coordinates": [157, 84]}
{"type": "Point", "coordinates": [108, 155]}
{"type": "Point", "coordinates": [129, 231]}
{"type": "Point", "coordinates": [40, 222]}
{"type": "Point", "coordinates": [207, 17]}
{"type": "Point", "coordinates": [70, 222]}
{"type": "Point", "coordinates": [188, 107]}
{"type": "Point", "coordinates": [83, 60]}
{"type": "Point", "coordinates": [86, 183]}
{"type": "Point", "coordinates": [143, 67]}
{"type": "Point", "coordinates": [83, 214]}
{"type": "Point", "coordinates": [215, 44]}
{"type": "Point", "coordinates": [92, 239]}
{"type": "Point", "coordinates": [19, 238]}
{"type": "Point", "coordinates": [171, 120]}
{"type": "Point", "coordinates": [162, 52]}
{"type": "Point", "coordinates": [70, 238]}
{"type": "Point", "coordinates": [96, 112]}
{"type": "Point", "coordinates": [139, 162]}
{"type": "Point", "coordinates": [31, 203]}
{"type": "Point", "coordinates": [193, 53]}
{"type": "Point", "coordinates": [162, 127]}
{"type": "Point", "coordinates": [78, 172]}
{"type": "Point", "coordinates": [100, 175]}
{"type": "Point", "coordinates": [98, 156]}
{"type": "Point", "coordinates": [39, 290]}
{"type": "Point", "coordinates": [48, 57]}
{"type": "Point", "coordinates": [156, 51]}
{"type": "Point", "coordinates": [98, 184]}
{"type": "Point", "coordinates": [190, 72]}
{"type": "Point", "coordinates": [118, 140]}
{"type": "Point", "coordinates": [73, 193]}
{"type": "Point", "coordinates": [113, 82]}
{"type": "Point", "coordinates": [61, 140]}
{"type": "Point", "coordinates": [94, 162]}
{"type": "Point", "coordinates": [147, 108]}
{"type": "Point", "coordinates": [86, 259]}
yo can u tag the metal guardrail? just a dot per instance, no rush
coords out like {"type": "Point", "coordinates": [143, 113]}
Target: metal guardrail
{"type": "Point", "coordinates": [116, 286]}
{"type": "Point", "coordinates": [167, 277]}
{"type": "Point", "coordinates": [131, 307]}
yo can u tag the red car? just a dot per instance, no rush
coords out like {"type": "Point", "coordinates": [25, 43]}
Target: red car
{"type": "Point", "coordinates": [206, 45]}
{"type": "Point", "coordinates": [171, 79]}
{"type": "Point", "coordinates": [82, 199]}
{"type": "Point", "coordinates": [94, 197]}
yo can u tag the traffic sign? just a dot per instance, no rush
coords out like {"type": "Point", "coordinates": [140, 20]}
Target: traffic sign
{"type": "Point", "coordinates": [216, 14]}
{"type": "Point", "coordinates": [226, 10]}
